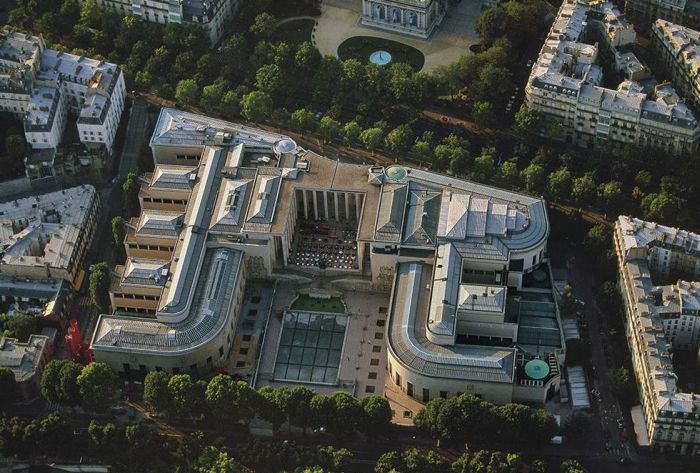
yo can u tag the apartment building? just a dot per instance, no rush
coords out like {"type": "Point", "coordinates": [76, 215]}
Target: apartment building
{"type": "Point", "coordinates": [677, 49]}
{"type": "Point", "coordinates": [411, 17]}
{"type": "Point", "coordinates": [46, 88]}
{"type": "Point", "coordinates": [212, 15]}
{"type": "Point", "coordinates": [26, 361]}
{"type": "Point", "coordinates": [47, 236]}
{"type": "Point", "coordinates": [454, 258]}
{"type": "Point", "coordinates": [662, 317]}
{"type": "Point", "coordinates": [646, 12]}
{"type": "Point", "coordinates": [565, 84]}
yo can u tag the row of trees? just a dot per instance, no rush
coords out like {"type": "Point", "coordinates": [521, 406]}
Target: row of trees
{"type": "Point", "coordinates": [468, 419]}
{"type": "Point", "coordinates": [225, 401]}
{"type": "Point", "coordinates": [71, 384]}
{"type": "Point", "coordinates": [480, 461]}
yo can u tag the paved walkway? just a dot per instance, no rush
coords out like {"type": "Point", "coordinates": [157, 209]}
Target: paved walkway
{"type": "Point", "coordinates": [449, 43]}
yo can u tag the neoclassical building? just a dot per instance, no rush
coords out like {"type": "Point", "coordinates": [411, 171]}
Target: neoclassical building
{"type": "Point", "coordinates": [412, 17]}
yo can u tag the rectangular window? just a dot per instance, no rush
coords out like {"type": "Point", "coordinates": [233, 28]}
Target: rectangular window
{"type": "Point", "coordinates": [409, 389]}
{"type": "Point", "coordinates": [443, 394]}
{"type": "Point", "coordinates": [426, 395]}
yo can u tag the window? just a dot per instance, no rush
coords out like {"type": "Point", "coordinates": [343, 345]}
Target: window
{"type": "Point", "coordinates": [374, 362]}
{"type": "Point", "coordinates": [209, 361]}
{"type": "Point", "coordinates": [443, 394]}
{"type": "Point", "coordinates": [240, 364]}
{"type": "Point", "coordinates": [409, 389]}
{"type": "Point", "coordinates": [372, 375]}
{"type": "Point", "coordinates": [221, 351]}
{"type": "Point", "coordinates": [378, 335]}
{"type": "Point", "coordinates": [369, 389]}
{"type": "Point", "coordinates": [426, 395]}
{"type": "Point", "coordinates": [142, 367]}
{"type": "Point", "coordinates": [398, 379]}
{"type": "Point", "coordinates": [380, 323]}
{"type": "Point", "coordinates": [243, 351]}
{"type": "Point", "coordinates": [376, 349]}
{"type": "Point", "coordinates": [246, 338]}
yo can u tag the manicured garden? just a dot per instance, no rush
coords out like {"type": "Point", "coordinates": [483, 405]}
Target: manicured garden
{"type": "Point", "coordinates": [306, 302]}
{"type": "Point", "coordinates": [361, 47]}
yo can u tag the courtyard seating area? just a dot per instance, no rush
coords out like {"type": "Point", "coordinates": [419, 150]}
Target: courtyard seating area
{"type": "Point", "coordinates": [325, 246]}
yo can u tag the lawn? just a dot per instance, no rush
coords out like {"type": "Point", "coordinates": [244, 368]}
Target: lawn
{"type": "Point", "coordinates": [305, 302]}
{"type": "Point", "coordinates": [294, 32]}
{"type": "Point", "coordinates": [361, 47]}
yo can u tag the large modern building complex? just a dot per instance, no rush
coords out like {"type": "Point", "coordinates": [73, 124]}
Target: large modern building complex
{"type": "Point", "coordinates": [659, 273]}
{"type": "Point", "coordinates": [46, 236]}
{"type": "Point", "coordinates": [566, 86]}
{"type": "Point", "coordinates": [212, 15]}
{"type": "Point", "coordinates": [410, 17]}
{"type": "Point", "coordinates": [228, 203]}
{"type": "Point", "coordinates": [677, 49]}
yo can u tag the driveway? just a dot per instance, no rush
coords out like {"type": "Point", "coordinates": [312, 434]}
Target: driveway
{"type": "Point", "coordinates": [451, 40]}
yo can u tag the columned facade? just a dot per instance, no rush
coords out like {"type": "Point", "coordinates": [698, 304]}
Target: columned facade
{"type": "Point", "coordinates": [412, 17]}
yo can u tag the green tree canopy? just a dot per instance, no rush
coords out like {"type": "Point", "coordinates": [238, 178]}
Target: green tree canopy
{"type": "Point", "coordinates": [156, 393]}
{"type": "Point", "coordinates": [96, 385]}
{"type": "Point", "coordinates": [330, 129]}
{"type": "Point", "coordinates": [583, 189]}
{"type": "Point", "coordinates": [303, 119]}
{"type": "Point", "coordinates": [371, 138]}
{"type": "Point", "coordinates": [256, 106]}
{"type": "Point", "coordinates": [559, 183]}
{"type": "Point", "coordinates": [130, 195]}
{"type": "Point", "coordinates": [187, 91]}
{"type": "Point", "coordinates": [21, 325]}
{"type": "Point", "coordinates": [399, 140]}
{"type": "Point", "coordinates": [528, 122]}
{"type": "Point", "coordinates": [533, 177]}
{"type": "Point", "coordinates": [100, 278]}
{"type": "Point", "coordinates": [377, 415]}
{"type": "Point", "coordinates": [264, 25]}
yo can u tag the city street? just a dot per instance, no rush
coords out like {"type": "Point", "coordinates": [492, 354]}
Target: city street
{"type": "Point", "coordinates": [618, 440]}
{"type": "Point", "coordinates": [137, 132]}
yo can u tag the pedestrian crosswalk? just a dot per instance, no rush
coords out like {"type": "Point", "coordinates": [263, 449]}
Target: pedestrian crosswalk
{"type": "Point", "coordinates": [85, 301]}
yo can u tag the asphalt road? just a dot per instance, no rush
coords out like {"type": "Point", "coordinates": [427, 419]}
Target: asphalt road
{"type": "Point", "coordinates": [607, 407]}
{"type": "Point", "coordinates": [111, 198]}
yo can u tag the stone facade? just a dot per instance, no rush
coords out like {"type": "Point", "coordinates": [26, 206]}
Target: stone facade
{"type": "Point", "coordinates": [411, 17]}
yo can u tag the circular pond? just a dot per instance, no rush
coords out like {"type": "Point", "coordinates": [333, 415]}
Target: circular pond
{"type": "Point", "coordinates": [381, 58]}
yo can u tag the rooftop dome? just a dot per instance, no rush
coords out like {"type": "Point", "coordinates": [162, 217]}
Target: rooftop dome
{"type": "Point", "coordinates": [284, 146]}
{"type": "Point", "coordinates": [536, 369]}
{"type": "Point", "coordinates": [395, 173]}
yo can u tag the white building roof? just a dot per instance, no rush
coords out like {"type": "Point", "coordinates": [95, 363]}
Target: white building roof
{"type": "Point", "coordinates": [44, 229]}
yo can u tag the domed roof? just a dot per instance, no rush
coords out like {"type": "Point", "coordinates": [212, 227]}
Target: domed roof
{"type": "Point", "coordinates": [284, 146]}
